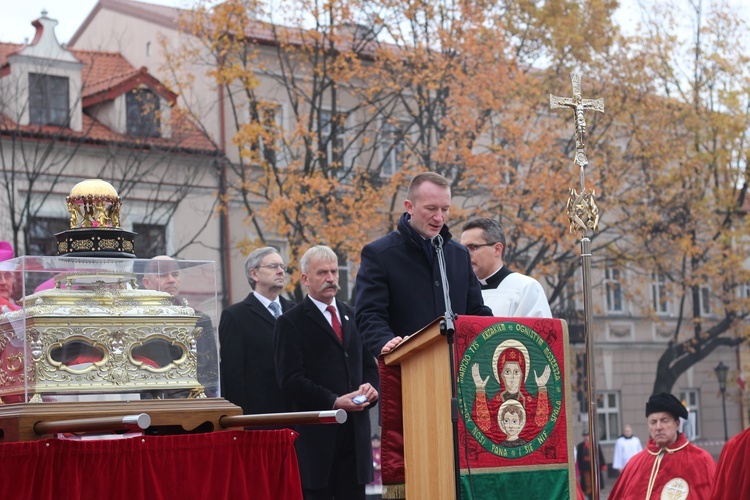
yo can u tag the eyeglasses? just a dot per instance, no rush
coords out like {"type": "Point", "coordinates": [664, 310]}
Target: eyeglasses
{"type": "Point", "coordinates": [275, 267]}
{"type": "Point", "coordinates": [473, 248]}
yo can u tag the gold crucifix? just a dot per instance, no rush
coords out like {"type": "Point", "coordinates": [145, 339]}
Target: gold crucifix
{"type": "Point", "coordinates": [579, 104]}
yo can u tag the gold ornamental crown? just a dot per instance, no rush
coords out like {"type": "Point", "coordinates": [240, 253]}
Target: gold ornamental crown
{"type": "Point", "coordinates": [94, 203]}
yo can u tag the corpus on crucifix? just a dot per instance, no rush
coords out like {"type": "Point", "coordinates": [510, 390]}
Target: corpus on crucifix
{"type": "Point", "coordinates": [579, 104]}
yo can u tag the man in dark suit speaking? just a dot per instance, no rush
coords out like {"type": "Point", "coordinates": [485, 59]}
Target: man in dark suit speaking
{"type": "Point", "coordinates": [248, 376]}
{"type": "Point", "coordinates": [399, 287]}
{"type": "Point", "coordinates": [321, 364]}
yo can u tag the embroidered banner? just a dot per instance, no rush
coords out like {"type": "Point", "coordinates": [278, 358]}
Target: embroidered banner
{"type": "Point", "coordinates": [515, 435]}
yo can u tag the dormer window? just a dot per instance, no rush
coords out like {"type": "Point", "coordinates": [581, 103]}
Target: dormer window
{"type": "Point", "coordinates": [48, 100]}
{"type": "Point", "coordinates": [143, 113]}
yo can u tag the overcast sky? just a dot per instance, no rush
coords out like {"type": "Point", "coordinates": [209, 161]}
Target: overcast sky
{"type": "Point", "coordinates": [16, 15]}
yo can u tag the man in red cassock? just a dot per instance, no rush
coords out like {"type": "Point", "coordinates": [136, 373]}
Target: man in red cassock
{"type": "Point", "coordinates": [669, 467]}
{"type": "Point", "coordinates": [733, 475]}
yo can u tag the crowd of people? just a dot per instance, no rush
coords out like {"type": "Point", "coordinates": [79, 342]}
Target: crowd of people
{"type": "Point", "coordinates": [321, 353]}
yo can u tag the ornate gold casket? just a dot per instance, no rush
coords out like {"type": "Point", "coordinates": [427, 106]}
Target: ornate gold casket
{"type": "Point", "coordinates": [89, 329]}
{"type": "Point", "coordinates": [96, 334]}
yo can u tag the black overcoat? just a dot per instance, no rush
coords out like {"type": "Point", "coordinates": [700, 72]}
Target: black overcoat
{"type": "Point", "coordinates": [248, 374]}
{"type": "Point", "coordinates": [313, 369]}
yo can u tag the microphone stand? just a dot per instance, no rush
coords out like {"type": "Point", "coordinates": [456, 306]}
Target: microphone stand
{"type": "Point", "coordinates": [448, 328]}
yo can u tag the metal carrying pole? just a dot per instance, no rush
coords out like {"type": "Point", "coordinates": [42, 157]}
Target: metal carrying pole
{"type": "Point", "coordinates": [98, 424]}
{"type": "Point", "coordinates": [292, 418]}
{"type": "Point", "coordinates": [583, 215]}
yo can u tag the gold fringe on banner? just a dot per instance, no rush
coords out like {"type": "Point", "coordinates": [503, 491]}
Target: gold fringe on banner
{"type": "Point", "coordinates": [394, 491]}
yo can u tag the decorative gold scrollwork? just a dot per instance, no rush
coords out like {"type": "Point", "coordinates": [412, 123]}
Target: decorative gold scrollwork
{"type": "Point", "coordinates": [108, 244]}
{"type": "Point", "coordinates": [14, 362]}
{"type": "Point", "coordinates": [82, 245]}
{"type": "Point", "coordinates": [583, 213]}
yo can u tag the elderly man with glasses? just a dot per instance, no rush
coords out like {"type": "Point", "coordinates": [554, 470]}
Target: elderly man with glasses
{"type": "Point", "coordinates": [508, 294]}
{"type": "Point", "coordinates": [248, 373]}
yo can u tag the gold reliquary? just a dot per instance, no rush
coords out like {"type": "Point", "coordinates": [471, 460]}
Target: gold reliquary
{"type": "Point", "coordinates": [89, 328]}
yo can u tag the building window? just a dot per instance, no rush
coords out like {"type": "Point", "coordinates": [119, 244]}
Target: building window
{"type": "Point", "coordinates": [614, 290]}
{"type": "Point", "coordinates": [40, 234]}
{"type": "Point", "coordinates": [143, 113]}
{"type": "Point", "coordinates": [392, 149]}
{"type": "Point", "coordinates": [569, 295]}
{"type": "Point", "coordinates": [151, 240]}
{"type": "Point", "coordinates": [661, 302]}
{"type": "Point", "coordinates": [608, 415]}
{"type": "Point", "coordinates": [705, 301]}
{"type": "Point", "coordinates": [581, 382]}
{"type": "Point", "coordinates": [691, 427]}
{"type": "Point", "coordinates": [48, 100]}
{"type": "Point", "coordinates": [333, 139]}
{"type": "Point", "coordinates": [745, 294]}
{"type": "Point", "coordinates": [344, 273]}
{"type": "Point", "coordinates": [40, 240]}
{"type": "Point", "coordinates": [567, 308]}
{"type": "Point", "coordinates": [270, 143]}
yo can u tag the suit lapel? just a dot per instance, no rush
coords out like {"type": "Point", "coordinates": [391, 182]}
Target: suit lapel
{"type": "Point", "coordinates": [259, 309]}
{"type": "Point", "coordinates": [317, 316]}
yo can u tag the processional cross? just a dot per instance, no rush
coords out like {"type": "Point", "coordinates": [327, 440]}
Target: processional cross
{"type": "Point", "coordinates": [584, 216]}
{"type": "Point", "coordinates": [582, 210]}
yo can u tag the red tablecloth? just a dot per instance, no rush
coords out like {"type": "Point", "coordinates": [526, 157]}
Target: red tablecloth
{"type": "Point", "coordinates": [228, 464]}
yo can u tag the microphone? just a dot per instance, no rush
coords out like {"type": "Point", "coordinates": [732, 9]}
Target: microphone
{"type": "Point", "coordinates": [437, 242]}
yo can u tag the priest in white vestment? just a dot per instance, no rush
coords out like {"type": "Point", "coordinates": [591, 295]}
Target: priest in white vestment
{"type": "Point", "coordinates": [508, 294]}
{"type": "Point", "coordinates": [626, 446]}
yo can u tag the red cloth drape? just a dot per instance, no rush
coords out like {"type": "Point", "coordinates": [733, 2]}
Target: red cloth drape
{"type": "Point", "coordinates": [228, 464]}
{"type": "Point", "coordinates": [732, 474]}
{"type": "Point", "coordinates": [392, 425]}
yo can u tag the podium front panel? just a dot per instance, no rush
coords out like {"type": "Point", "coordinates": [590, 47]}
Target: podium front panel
{"type": "Point", "coordinates": [515, 433]}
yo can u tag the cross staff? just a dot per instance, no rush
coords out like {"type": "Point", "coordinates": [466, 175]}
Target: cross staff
{"type": "Point", "coordinates": [579, 104]}
{"type": "Point", "coordinates": [584, 216]}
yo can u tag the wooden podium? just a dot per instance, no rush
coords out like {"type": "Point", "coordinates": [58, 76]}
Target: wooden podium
{"type": "Point", "coordinates": [424, 359]}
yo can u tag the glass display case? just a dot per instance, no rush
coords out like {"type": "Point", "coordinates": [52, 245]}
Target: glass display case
{"type": "Point", "coordinates": [86, 329]}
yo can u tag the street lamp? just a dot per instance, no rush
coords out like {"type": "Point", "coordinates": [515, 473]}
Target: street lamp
{"type": "Point", "coordinates": [721, 375]}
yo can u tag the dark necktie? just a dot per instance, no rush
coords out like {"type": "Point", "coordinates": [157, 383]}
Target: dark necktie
{"type": "Point", "coordinates": [335, 323]}
{"type": "Point", "coordinates": [275, 309]}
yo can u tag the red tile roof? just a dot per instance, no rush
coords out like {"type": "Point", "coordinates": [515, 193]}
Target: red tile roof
{"type": "Point", "coordinates": [103, 70]}
{"type": "Point", "coordinates": [185, 137]}
{"type": "Point", "coordinates": [106, 75]}
{"type": "Point", "coordinates": [7, 49]}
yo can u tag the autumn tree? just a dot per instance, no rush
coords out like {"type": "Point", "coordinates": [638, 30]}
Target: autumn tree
{"type": "Point", "coordinates": [683, 118]}
{"type": "Point", "coordinates": [380, 90]}
{"type": "Point", "coordinates": [309, 171]}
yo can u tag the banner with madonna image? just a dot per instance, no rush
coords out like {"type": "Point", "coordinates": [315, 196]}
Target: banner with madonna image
{"type": "Point", "coordinates": [515, 434]}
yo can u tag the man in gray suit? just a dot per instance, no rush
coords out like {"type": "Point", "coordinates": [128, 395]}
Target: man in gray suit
{"type": "Point", "coordinates": [248, 375]}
